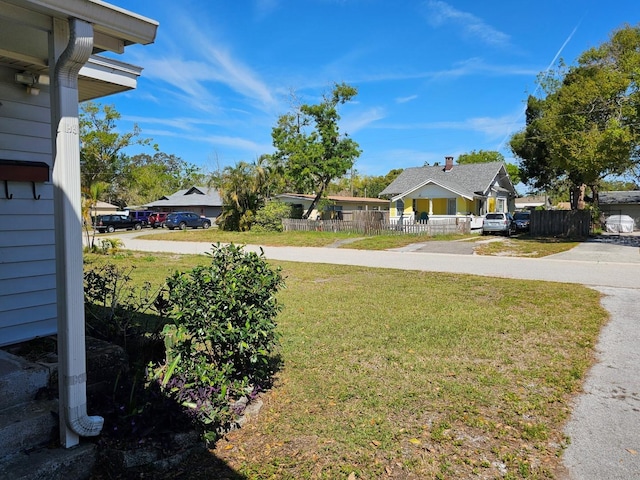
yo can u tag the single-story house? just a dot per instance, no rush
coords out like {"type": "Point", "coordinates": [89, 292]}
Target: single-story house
{"type": "Point", "coordinates": [204, 201]}
{"type": "Point", "coordinates": [621, 203]}
{"type": "Point", "coordinates": [467, 190]}
{"type": "Point", "coordinates": [337, 206]}
{"type": "Point", "coordinates": [104, 208]}
{"type": "Point", "coordinates": [49, 62]}
{"type": "Point", "coordinates": [533, 201]}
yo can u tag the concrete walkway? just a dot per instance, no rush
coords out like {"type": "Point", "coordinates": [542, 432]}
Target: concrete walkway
{"type": "Point", "coordinates": [605, 424]}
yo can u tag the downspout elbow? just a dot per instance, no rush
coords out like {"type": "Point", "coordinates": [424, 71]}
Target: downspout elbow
{"type": "Point", "coordinates": [83, 424]}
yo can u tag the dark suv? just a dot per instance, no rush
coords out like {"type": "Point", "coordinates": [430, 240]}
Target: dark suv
{"type": "Point", "coordinates": [522, 220]}
{"type": "Point", "coordinates": [157, 219]}
{"type": "Point", "coordinates": [111, 223]}
{"type": "Point", "coordinates": [182, 220]}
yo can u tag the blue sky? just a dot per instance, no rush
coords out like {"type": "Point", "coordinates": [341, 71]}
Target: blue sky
{"type": "Point", "coordinates": [434, 78]}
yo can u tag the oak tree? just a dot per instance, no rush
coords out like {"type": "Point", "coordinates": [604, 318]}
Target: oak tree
{"type": "Point", "coordinates": [587, 127]}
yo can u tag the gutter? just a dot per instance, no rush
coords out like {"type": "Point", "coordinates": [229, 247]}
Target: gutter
{"type": "Point", "coordinates": [72, 381]}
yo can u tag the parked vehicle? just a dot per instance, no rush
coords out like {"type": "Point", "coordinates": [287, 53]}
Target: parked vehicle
{"type": "Point", "coordinates": [111, 223]}
{"type": "Point", "coordinates": [141, 215]}
{"type": "Point", "coordinates": [182, 220]}
{"type": "Point", "coordinates": [498, 223]}
{"type": "Point", "coordinates": [157, 219]}
{"type": "Point", "coordinates": [522, 220]}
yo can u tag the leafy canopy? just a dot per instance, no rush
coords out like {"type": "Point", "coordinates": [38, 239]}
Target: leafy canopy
{"type": "Point", "coordinates": [310, 151]}
{"type": "Point", "coordinates": [587, 127]}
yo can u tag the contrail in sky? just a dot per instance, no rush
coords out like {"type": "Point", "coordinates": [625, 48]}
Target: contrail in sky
{"type": "Point", "coordinates": [555, 58]}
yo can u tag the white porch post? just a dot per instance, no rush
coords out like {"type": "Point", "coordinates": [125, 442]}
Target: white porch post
{"type": "Point", "coordinates": [74, 421]}
{"type": "Point", "coordinates": [430, 206]}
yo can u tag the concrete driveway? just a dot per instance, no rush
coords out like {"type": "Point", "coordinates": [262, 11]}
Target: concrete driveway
{"type": "Point", "coordinates": [604, 427]}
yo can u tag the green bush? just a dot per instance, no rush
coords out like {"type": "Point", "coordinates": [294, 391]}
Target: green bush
{"type": "Point", "coordinates": [269, 218]}
{"type": "Point", "coordinates": [220, 342]}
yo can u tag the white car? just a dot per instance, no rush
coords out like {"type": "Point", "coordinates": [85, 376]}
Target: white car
{"type": "Point", "coordinates": [498, 223]}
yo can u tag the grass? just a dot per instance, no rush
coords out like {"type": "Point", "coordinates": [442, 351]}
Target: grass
{"type": "Point", "coordinates": [274, 239]}
{"type": "Point", "coordinates": [526, 246]}
{"type": "Point", "coordinates": [385, 242]}
{"type": "Point", "coordinates": [412, 375]}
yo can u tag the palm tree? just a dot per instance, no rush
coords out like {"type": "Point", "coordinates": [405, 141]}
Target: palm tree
{"type": "Point", "coordinates": [91, 196]}
{"type": "Point", "coordinates": [242, 191]}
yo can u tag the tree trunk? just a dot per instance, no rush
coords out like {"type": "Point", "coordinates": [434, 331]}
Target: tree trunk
{"type": "Point", "coordinates": [576, 195]}
{"type": "Point", "coordinates": [314, 203]}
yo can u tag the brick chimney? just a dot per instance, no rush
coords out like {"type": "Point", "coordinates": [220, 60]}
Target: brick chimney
{"type": "Point", "coordinates": [448, 163]}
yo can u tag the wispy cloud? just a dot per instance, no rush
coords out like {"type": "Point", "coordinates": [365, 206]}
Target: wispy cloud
{"type": "Point", "coordinates": [406, 99]}
{"type": "Point", "coordinates": [202, 60]}
{"type": "Point", "coordinates": [491, 127]}
{"type": "Point", "coordinates": [441, 13]}
{"type": "Point", "coordinates": [353, 123]}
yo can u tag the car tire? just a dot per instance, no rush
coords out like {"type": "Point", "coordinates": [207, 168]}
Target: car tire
{"type": "Point", "coordinates": [182, 226]}
{"type": "Point", "coordinates": [205, 225]}
{"type": "Point", "coordinates": [137, 226]}
{"type": "Point", "coordinates": [111, 229]}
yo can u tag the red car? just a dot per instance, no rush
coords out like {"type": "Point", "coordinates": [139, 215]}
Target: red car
{"type": "Point", "coordinates": [157, 219]}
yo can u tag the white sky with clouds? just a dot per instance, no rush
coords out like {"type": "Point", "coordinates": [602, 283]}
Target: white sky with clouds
{"type": "Point", "coordinates": [434, 78]}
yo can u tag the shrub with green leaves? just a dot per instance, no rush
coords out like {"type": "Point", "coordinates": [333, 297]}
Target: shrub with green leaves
{"type": "Point", "coordinates": [269, 218]}
{"type": "Point", "coordinates": [223, 332]}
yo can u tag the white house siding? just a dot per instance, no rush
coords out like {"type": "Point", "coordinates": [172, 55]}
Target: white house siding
{"type": "Point", "coordinates": [27, 251]}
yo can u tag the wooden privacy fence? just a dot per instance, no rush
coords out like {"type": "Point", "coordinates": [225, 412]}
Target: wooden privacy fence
{"type": "Point", "coordinates": [377, 223]}
{"type": "Point", "coordinates": [563, 223]}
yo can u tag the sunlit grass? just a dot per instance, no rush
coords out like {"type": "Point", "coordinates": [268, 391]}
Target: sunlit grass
{"type": "Point", "coordinates": [400, 374]}
{"type": "Point", "coordinates": [525, 246]}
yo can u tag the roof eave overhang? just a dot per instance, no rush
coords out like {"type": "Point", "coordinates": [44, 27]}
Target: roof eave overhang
{"type": "Point", "coordinates": [101, 77]}
{"type": "Point", "coordinates": [115, 26]}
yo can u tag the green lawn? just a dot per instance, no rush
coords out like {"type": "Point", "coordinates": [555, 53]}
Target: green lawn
{"type": "Point", "coordinates": [522, 245]}
{"type": "Point", "coordinates": [412, 375]}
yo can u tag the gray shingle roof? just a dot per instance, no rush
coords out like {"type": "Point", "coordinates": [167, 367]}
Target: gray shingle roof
{"type": "Point", "coordinates": [463, 179]}
{"type": "Point", "coordinates": [609, 198]}
{"type": "Point", "coordinates": [190, 197]}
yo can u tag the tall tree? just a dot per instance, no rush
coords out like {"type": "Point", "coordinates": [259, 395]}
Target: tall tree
{"type": "Point", "coordinates": [145, 178]}
{"type": "Point", "coordinates": [310, 151]}
{"type": "Point", "coordinates": [102, 147]}
{"type": "Point", "coordinates": [480, 156]}
{"type": "Point", "coordinates": [588, 126]}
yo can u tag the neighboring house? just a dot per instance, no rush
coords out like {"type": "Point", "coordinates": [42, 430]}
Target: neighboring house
{"type": "Point", "coordinates": [201, 200]}
{"type": "Point", "coordinates": [333, 205]}
{"type": "Point", "coordinates": [621, 203]}
{"type": "Point", "coordinates": [468, 190]}
{"type": "Point", "coordinates": [532, 202]}
{"type": "Point", "coordinates": [48, 63]}
{"type": "Point", "coordinates": [104, 208]}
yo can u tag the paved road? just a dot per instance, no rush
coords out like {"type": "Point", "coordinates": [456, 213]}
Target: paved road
{"type": "Point", "coordinates": [605, 424]}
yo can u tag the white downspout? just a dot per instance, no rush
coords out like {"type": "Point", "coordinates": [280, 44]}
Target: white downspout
{"type": "Point", "coordinates": [72, 372]}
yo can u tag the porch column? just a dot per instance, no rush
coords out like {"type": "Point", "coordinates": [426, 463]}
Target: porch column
{"type": "Point", "coordinates": [430, 206]}
{"type": "Point", "coordinates": [72, 375]}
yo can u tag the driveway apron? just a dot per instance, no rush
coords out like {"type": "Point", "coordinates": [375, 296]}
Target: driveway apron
{"type": "Point", "coordinates": [604, 427]}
